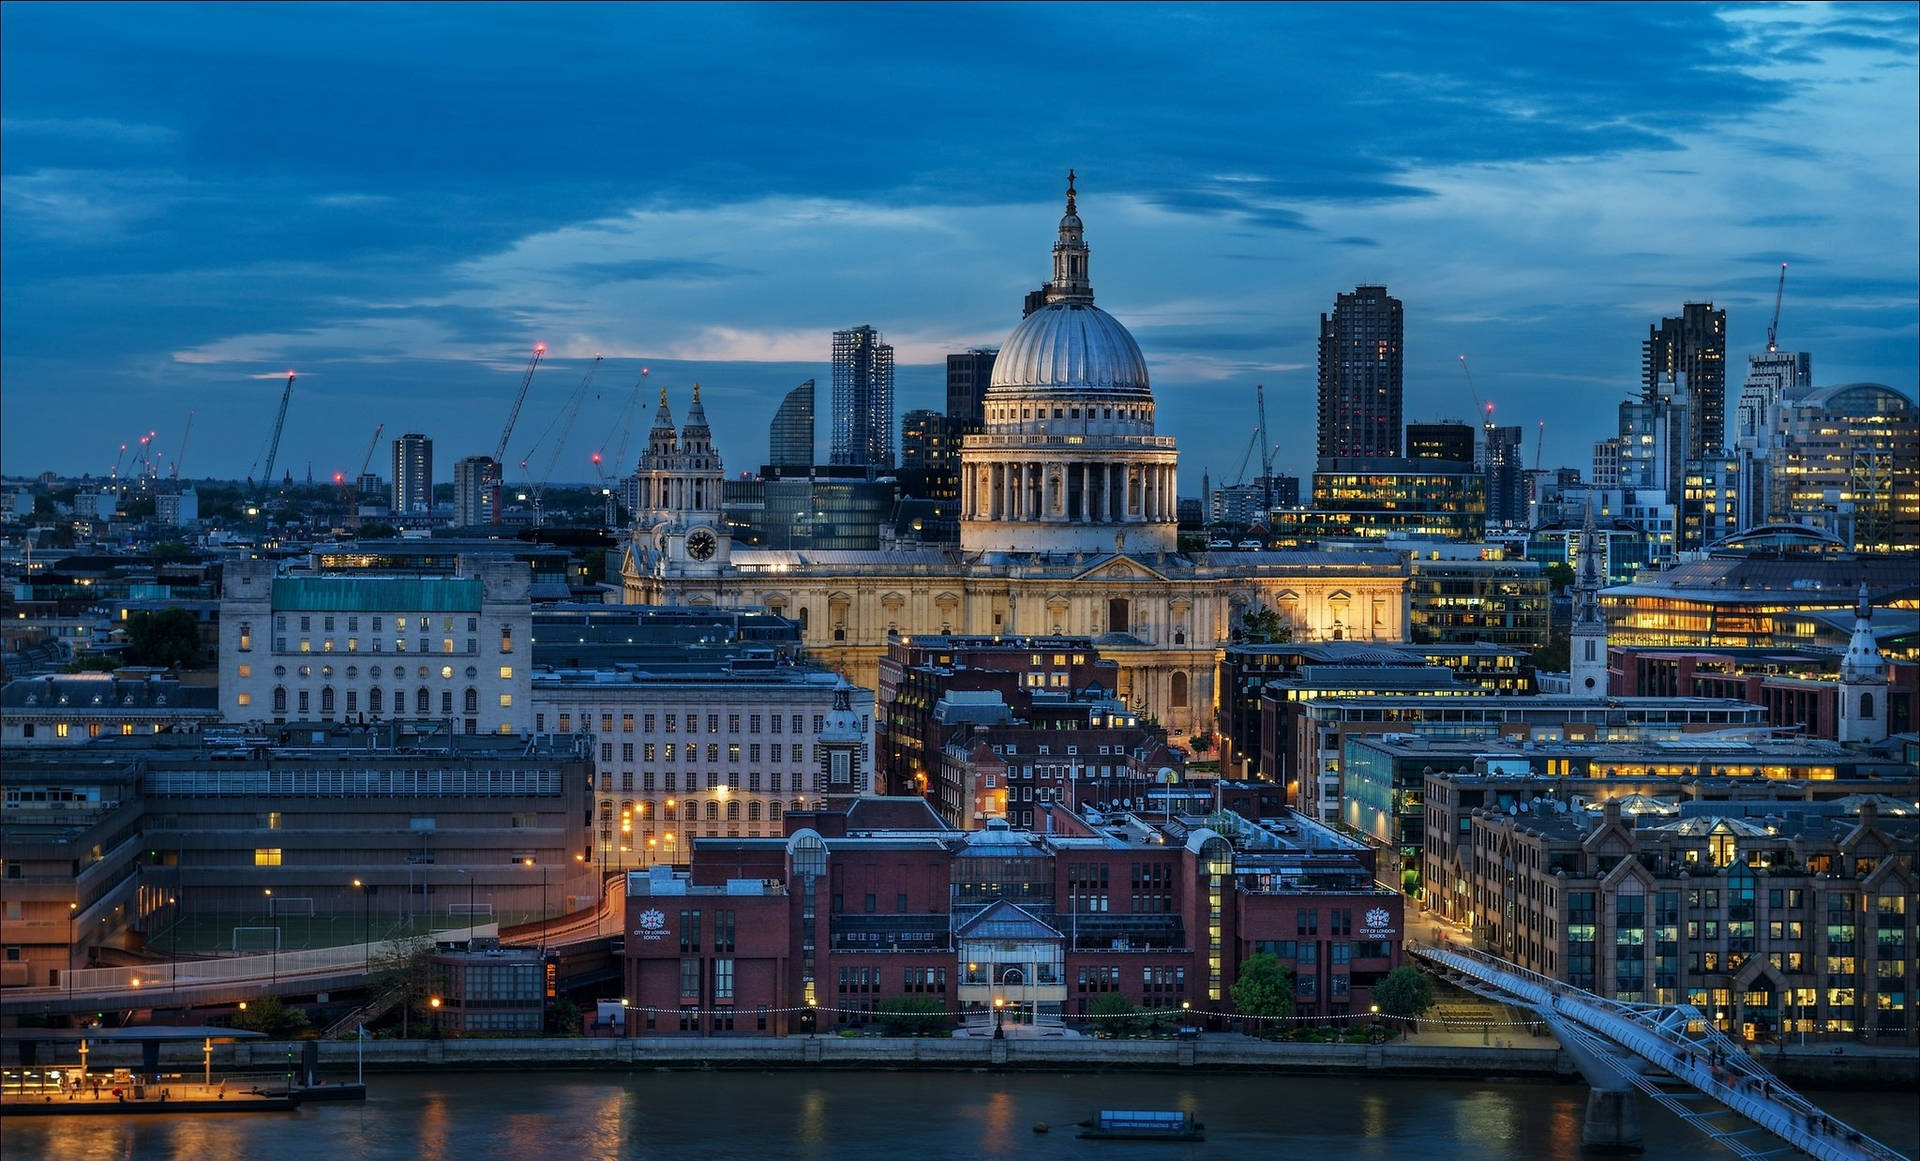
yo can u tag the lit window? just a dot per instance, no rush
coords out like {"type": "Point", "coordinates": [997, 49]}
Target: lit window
{"type": "Point", "coordinates": [446, 672]}
{"type": "Point", "coordinates": [506, 673]}
{"type": "Point", "coordinates": [246, 671]}
{"type": "Point", "coordinates": [506, 700]}
{"type": "Point", "coordinates": [246, 699]}
{"type": "Point", "coordinates": [266, 856]}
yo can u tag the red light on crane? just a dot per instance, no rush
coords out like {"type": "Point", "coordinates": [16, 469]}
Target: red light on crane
{"type": "Point", "coordinates": [540, 348]}
{"type": "Point", "coordinates": [339, 477]}
{"type": "Point", "coordinates": [596, 457]}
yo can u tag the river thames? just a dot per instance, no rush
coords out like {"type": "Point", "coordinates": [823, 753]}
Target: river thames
{"type": "Point", "coordinates": [881, 1116]}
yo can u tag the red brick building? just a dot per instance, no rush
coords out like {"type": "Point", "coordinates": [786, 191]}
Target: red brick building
{"type": "Point", "coordinates": [1797, 687]}
{"type": "Point", "coordinates": [814, 931]}
{"type": "Point", "coordinates": [916, 672]}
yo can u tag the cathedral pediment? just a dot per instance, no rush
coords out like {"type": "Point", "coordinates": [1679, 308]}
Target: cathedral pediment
{"type": "Point", "coordinates": [1120, 568]}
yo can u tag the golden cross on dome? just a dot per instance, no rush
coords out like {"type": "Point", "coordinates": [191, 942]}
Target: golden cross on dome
{"type": "Point", "coordinates": [1070, 179]}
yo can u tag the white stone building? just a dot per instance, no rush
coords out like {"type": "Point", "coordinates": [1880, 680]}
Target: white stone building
{"type": "Point", "coordinates": [358, 647]}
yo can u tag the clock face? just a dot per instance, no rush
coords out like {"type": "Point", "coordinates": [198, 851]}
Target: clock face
{"type": "Point", "coordinates": [701, 544]}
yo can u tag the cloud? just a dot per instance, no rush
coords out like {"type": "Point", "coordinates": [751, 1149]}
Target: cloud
{"type": "Point", "coordinates": [90, 128]}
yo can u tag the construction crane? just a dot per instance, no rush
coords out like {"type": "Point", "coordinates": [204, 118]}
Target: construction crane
{"type": "Point", "coordinates": [350, 489]}
{"type": "Point", "coordinates": [115, 473]}
{"type": "Point", "coordinates": [182, 453]}
{"type": "Point", "coordinates": [506, 433]}
{"type": "Point", "coordinates": [1773, 328]}
{"type": "Point", "coordinates": [626, 423]}
{"type": "Point", "coordinates": [1484, 411]}
{"type": "Point", "coordinates": [279, 423]}
{"type": "Point", "coordinates": [1266, 456]}
{"type": "Point", "coordinates": [565, 420]}
{"type": "Point", "coordinates": [1539, 444]}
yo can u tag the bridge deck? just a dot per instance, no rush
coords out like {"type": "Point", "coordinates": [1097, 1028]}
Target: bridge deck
{"type": "Point", "coordinates": [1674, 1055]}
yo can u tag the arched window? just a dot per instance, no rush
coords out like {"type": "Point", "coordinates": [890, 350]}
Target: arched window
{"type": "Point", "coordinates": [473, 700]}
{"type": "Point", "coordinates": [733, 811]}
{"type": "Point", "coordinates": [753, 811]}
{"type": "Point", "coordinates": [423, 701]}
{"type": "Point", "coordinates": [1866, 707]}
{"type": "Point", "coordinates": [376, 700]}
{"type": "Point", "coordinates": [326, 699]}
{"type": "Point", "coordinates": [305, 699]}
{"type": "Point", "coordinates": [713, 811]}
{"type": "Point", "coordinates": [803, 622]}
{"type": "Point", "coordinates": [446, 701]}
{"type": "Point", "coordinates": [606, 810]}
{"type": "Point", "coordinates": [279, 699]}
{"type": "Point", "coordinates": [1178, 691]}
{"type": "Point", "coordinates": [773, 811]}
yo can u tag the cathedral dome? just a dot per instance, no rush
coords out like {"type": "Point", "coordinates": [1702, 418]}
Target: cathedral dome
{"type": "Point", "coordinates": [1070, 347]}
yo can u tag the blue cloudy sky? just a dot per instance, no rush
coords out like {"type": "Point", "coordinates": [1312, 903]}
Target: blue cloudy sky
{"type": "Point", "coordinates": [400, 200]}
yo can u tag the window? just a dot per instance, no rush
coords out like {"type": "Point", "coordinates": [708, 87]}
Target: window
{"type": "Point", "coordinates": [422, 701]}
{"type": "Point", "coordinates": [266, 856]}
{"type": "Point", "coordinates": [506, 700]}
{"type": "Point", "coordinates": [246, 638]}
{"type": "Point", "coordinates": [472, 700]}
{"type": "Point", "coordinates": [244, 699]}
{"type": "Point", "coordinates": [723, 979]}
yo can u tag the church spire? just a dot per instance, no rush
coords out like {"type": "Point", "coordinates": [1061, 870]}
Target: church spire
{"type": "Point", "coordinates": [1070, 256]}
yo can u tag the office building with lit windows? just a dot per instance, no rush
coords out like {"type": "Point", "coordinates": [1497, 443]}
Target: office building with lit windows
{"type": "Point", "coordinates": [1362, 348]}
{"type": "Point", "coordinates": [721, 750]}
{"type": "Point", "coordinates": [1775, 917]}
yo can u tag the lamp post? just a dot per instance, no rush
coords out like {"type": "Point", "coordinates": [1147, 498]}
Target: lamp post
{"type": "Point", "coordinates": [1374, 1011]}
{"type": "Point", "coordinates": [545, 910]}
{"type": "Point", "coordinates": [434, 1003]}
{"type": "Point", "coordinates": [366, 922]}
{"type": "Point", "coordinates": [273, 959]}
{"type": "Point", "coordinates": [999, 1018]}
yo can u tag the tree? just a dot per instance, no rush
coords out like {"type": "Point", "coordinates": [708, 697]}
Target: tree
{"type": "Point", "coordinates": [169, 638]}
{"type": "Point", "coordinates": [374, 530]}
{"type": "Point", "coordinates": [1405, 992]}
{"type": "Point", "coordinates": [93, 663]}
{"type": "Point", "coordinates": [267, 1014]}
{"type": "Point", "coordinates": [170, 550]}
{"type": "Point", "coordinates": [912, 1015]}
{"type": "Point", "coordinates": [1559, 575]}
{"type": "Point", "coordinates": [406, 974]}
{"type": "Point", "coordinates": [1260, 625]}
{"type": "Point", "coordinates": [1264, 988]}
{"type": "Point", "coordinates": [1114, 1014]}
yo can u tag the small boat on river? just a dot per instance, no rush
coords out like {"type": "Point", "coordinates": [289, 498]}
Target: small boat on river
{"type": "Point", "coordinates": [1142, 1125]}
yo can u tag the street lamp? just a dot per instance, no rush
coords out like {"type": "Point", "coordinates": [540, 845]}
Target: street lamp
{"type": "Point", "coordinates": [434, 1003]}
{"type": "Point", "coordinates": [1374, 1010]}
{"type": "Point", "coordinates": [999, 1018]}
{"type": "Point", "coordinates": [545, 910]}
{"type": "Point", "coordinates": [366, 921]}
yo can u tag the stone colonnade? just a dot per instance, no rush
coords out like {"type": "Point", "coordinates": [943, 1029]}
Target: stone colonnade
{"type": "Point", "coordinates": [1086, 492]}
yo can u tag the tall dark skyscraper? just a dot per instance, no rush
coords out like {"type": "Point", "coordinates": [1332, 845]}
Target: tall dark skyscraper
{"type": "Point", "coordinates": [790, 435]}
{"type": "Point", "coordinates": [968, 375]}
{"type": "Point", "coordinates": [1361, 346]}
{"type": "Point", "coordinates": [412, 474]}
{"type": "Point", "coordinates": [1445, 440]}
{"type": "Point", "coordinates": [1688, 353]}
{"type": "Point", "coordinates": [862, 399]}
{"type": "Point", "coordinates": [1506, 488]}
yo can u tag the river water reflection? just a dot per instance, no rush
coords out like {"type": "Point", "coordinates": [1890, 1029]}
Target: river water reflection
{"type": "Point", "coordinates": [895, 1117]}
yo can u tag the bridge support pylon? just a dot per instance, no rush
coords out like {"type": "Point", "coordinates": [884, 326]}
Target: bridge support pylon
{"type": "Point", "coordinates": [1612, 1123]}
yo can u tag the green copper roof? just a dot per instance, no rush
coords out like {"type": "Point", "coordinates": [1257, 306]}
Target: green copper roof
{"type": "Point", "coordinates": [383, 594]}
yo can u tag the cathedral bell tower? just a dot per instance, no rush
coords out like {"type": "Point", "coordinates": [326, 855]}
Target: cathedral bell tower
{"type": "Point", "coordinates": [681, 485]}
